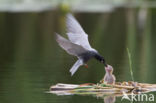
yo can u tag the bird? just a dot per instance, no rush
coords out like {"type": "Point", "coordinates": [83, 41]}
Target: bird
{"type": "Point", "coordinates": [109, 78]}
{"type": "Point", "coordinates": [78, 44]}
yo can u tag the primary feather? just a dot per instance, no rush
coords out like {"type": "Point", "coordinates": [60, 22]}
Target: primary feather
{"type": "Point", "coordinates": [76, 33]}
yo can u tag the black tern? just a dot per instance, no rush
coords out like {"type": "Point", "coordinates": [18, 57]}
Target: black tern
{"type": "Point", "coordinates": [78, 44]}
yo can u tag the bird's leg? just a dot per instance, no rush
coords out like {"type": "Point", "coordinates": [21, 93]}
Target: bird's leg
{"type": "Point", "coordinates": [86, 66]}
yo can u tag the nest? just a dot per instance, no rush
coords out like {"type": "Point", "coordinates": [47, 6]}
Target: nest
{"type": "Point", "coordinates": [102, 88]}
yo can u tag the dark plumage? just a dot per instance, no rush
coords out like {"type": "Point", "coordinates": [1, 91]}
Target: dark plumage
{"type": "Point", "coordinates": [78, 44]}
{"type": "Point", "coordinates": [92, 54]}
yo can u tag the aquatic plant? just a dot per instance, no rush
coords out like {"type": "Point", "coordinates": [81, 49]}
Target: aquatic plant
{"type": "Point", "coordinates": [130, 64]}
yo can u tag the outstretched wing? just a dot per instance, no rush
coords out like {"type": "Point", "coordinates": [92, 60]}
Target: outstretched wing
{"type": "Point", "coordinates": [75, 67]}
{"type": "Point", "coordinates": [75, 32]}
{"type": "Point", "coordinates": [69, 47]}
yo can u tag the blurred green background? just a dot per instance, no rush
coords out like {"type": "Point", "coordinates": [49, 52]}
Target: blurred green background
{"type": "Point", "coordinates": [31, 60]}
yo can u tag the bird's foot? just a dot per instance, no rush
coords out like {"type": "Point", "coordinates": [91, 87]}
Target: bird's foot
{"type": "Point", "coordinates": [86, 66]}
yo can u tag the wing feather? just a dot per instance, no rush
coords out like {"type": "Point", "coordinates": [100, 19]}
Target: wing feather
{"type": "Point", "coordinates": [69, 47]}
{"type": "Point", "coordinates": [76, 33]}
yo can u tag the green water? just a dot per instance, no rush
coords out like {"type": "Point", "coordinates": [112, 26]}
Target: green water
{"type": "Point", "coordinates": [31, 60]}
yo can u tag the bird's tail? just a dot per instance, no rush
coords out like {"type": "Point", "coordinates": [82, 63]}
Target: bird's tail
{"type": "Point", "coordinates": [76, 66]}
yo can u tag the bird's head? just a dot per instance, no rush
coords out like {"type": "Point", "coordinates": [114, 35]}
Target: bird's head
{"type": "Point", "coordinates": [101, 59]}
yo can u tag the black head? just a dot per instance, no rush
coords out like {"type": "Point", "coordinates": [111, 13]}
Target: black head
{"type": "Point", "coordinates": [101, 59]}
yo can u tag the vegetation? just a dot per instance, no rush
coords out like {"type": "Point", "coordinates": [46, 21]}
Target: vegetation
{"type": "Point", "coordinates": [130, 64]}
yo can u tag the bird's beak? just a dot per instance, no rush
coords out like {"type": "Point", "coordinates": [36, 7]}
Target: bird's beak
{"type": "Point", "coordinates": [105, 65]}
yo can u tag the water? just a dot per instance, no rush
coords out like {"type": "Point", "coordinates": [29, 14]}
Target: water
{"type": "Point", "coordinates": [31, 61]}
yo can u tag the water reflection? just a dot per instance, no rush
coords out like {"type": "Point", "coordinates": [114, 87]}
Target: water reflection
{"type": "Point", "coordinates": [109, 99]}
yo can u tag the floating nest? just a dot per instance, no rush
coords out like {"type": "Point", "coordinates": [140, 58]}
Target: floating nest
{"type": "Point", "coordinates": [105, 89]}
{"type": "Point", "coordinates": [107, 86]}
